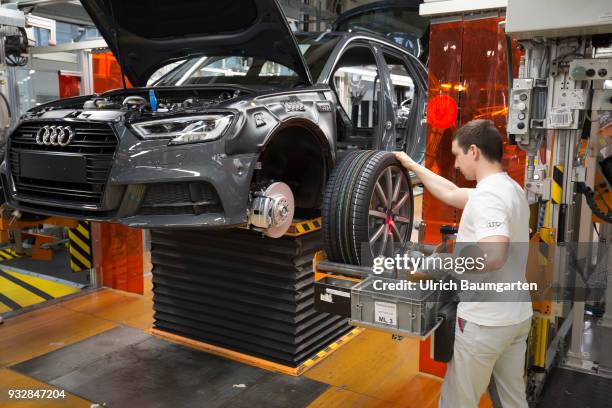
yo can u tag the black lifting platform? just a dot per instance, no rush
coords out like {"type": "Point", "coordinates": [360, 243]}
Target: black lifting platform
{"type": "Point", "coordinates": [243, 295]}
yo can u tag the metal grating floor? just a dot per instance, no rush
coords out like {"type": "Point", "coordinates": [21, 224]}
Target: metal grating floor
{"type": "Point", "coordinates": [571, 389]}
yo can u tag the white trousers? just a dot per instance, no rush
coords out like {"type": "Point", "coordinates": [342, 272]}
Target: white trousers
{"type": "Point", "coordinates": [483, 355]}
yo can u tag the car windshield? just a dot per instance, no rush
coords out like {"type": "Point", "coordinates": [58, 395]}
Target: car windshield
{"type": "Point", "coordinates": [238, 70]}
{"type": "Point", "coordinates": [241, 70]}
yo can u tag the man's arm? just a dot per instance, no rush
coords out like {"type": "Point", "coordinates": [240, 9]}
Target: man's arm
{"type": "Point", "coordinates": [488, 255]}
{"type": "Point", "coordinates": [495, 248]}
{"type": "Point", "coordinates": [441, 188]}
{"type": "Point", "coordinates": [492, 236]}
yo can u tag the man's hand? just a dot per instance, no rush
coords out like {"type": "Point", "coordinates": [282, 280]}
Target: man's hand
{"type": "Point", "coordinates": [406, 161]}
{"type": "Point", "coordinates": [443, 189]}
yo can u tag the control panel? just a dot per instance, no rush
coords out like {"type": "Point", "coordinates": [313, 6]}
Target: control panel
{"type": "Point", "coordinates": [591, 69]}
{"type": "Point", "coordinates": [520, 106]}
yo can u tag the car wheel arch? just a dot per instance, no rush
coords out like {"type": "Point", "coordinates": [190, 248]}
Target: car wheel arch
{"type": "Point", "coordinates": [297, 152]}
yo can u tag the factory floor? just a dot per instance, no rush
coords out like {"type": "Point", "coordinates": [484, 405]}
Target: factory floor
{"type": "Point", "coordinates": [67, 344]}
{"type": "Point", "coordinates": [98, 348]}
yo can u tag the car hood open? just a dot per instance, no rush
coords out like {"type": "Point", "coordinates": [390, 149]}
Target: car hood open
{"type": "Point", "coordinates": [145, 35]}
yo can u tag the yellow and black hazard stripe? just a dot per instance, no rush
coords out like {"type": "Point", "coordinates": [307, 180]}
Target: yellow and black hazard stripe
{"type": "Point", "coordinates": [539, 333]}
{"type": "Point", "coordinates": [556, 188]}
{"type": "Point", "coordinates": [81, 253]}
{"type": "Point", "coordinates": [22, 289]}
{"type": "Point", "coordinates": [547, 236]}
{"type": "Point", "coordinates": [328, 350]}
{"type": "Point", "coordinates": [304, 227]}
{"type": "Point", "coordinates": [8, 253]}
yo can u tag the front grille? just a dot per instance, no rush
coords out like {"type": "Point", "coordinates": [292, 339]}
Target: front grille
{"type": "Point", "coordinates": [94, 141]}
{"type": "Point", "coordinates": [180, 198]}
{"type": "Point", "coordinates": [174, 210]}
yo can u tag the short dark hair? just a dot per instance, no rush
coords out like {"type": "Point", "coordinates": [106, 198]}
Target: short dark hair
{"type": "Point", "coordinates": [483, 134]}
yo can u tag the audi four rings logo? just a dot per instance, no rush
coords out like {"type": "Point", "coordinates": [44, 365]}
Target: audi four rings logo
{"type": "Point", "coordinates": [54, 135]}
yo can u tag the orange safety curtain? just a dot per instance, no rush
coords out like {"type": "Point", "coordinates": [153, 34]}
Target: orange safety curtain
{"type": "Point", "coordinates": [467, 61]}
{"type": "Point", "coordinates": [106, 73]}
{"type": "Point", "coordinates": [445, 45]}
{"type": "Point", "coordinates": [121, 247]}
{"type": "Point", "coordinates": [69, 85]}
{"type": "Point", "coordinates": [121, 265]}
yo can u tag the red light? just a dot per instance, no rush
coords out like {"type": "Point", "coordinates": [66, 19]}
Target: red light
{"type": "Point", "coordinates": [442, 112]}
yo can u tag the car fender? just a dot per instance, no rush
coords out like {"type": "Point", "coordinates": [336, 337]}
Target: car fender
{"type": "Point", "coordinates": [267, 116]}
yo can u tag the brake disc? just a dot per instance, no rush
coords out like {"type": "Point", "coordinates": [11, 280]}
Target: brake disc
{"type": "Point", "coordinates": [272, 210]}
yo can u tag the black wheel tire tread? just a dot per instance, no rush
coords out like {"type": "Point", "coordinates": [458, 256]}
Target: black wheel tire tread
{"type": "Point", "coordinates": [331, 198]}
{"type": "Point", "coordinates": [345, 206]}
{"type": "Point", "coordinates": [344, 221]}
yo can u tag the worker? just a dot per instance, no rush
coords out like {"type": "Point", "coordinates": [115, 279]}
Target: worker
{"type": "Point", "coordinates": [490, 337]}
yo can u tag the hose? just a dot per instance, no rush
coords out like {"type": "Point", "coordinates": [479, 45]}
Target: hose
{"type": "Point", "coordinates": [510, 62]}
{"type": "Point", "coordinates": [590, 199]}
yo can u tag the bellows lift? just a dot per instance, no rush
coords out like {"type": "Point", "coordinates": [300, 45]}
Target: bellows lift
{"type": "Point", "coordinates": [244, 296]}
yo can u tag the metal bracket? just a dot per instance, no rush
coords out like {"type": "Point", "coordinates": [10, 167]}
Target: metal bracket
{"type": "Point", "coordinates": [397, 331]}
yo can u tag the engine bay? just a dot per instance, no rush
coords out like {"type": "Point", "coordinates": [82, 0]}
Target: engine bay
{"type": "Point", "coordinates": [140, 103]}
{"type": "Point", "coordinates": [164, 101]}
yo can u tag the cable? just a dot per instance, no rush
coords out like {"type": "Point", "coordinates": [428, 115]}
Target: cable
{"type": "Point", "coordinates": [15, 46]}
{"type": "Point", "coordinates": [596, 230]}
{"type": "Point", "coordinates": [544, 57]}
{"type": "Point", "coordinates": [8, 105]}
{"type": "Point", "coordinates": [582, 188]}
{"type": "Point", "coordinates": [510, 62]}
{"type": "Point", "coordinates": [16, 61]}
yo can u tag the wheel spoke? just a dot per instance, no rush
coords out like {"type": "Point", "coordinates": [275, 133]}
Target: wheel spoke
{"type": "Point", "coordinates": [384, 241]}
{"type": "Point", "coordinates": [378, 214]}
{"type": "Point", "coordinates": [400, 203]}
{"type": "Point", "coordinates": [402, 220]}
{"type": "Point", "coordinates": [379, 231]}
{"type": "Point", "coordinates": [396, 188]}
{"type": "Point", "coordinates": [389, 180]}
{"type": "Point", "coordinates": [397, 234]}
{"type": "Point", "coordinates": [391, 196]}
{"type": "Point", "coordinates": [381, 195]}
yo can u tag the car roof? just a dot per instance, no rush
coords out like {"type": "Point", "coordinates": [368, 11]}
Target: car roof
{"type": "Point", "coordinates": [349, 35]}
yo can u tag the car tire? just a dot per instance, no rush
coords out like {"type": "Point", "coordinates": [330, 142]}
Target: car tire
{"type": "Point", "coordinates": [331, 211]}
{"type": "Point", "coordinates": [359, 222]}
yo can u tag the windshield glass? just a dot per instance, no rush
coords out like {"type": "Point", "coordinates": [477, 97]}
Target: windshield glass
{"type": "Point", "coordinates": [241, 70]}
{"type": "Point", "coordinates": [237, 70]}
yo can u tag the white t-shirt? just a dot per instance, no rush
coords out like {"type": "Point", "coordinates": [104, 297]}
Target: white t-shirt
{"type": "Point", "coordinates": [498, 206]}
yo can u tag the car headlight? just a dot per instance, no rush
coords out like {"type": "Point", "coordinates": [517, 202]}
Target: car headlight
{"type": "Point", "coordinates": [183, 130]}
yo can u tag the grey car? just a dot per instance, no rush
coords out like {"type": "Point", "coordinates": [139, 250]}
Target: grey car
{"type": "Point", "coordinates": [233, 119]}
